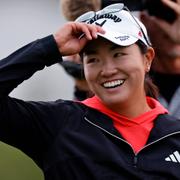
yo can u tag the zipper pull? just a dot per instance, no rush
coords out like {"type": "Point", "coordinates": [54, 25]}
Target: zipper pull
{"type": "Point", "coordinates": [135, 161]}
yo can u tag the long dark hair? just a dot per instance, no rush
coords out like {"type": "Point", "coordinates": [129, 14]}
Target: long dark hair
{"type": "Point", "coordinates": [150, 88]}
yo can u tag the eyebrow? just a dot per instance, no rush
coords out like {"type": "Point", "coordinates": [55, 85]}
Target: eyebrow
{"type": "Point", "coordinates": [115, 46]}
{"type": "Point", "coordinates": [90, 51]}
{"type": "Point", "coordinates": [94, 51]}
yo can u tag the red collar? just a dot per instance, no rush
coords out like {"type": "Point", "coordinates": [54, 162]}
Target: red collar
{"type": "Point", "coordinates": [135, 131]}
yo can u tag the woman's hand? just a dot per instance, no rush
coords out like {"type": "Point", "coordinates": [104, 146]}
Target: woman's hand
{"type": "Point", "coordinates": [73, 36]}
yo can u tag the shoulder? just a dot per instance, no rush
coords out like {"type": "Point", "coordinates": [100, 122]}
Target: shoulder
{"type": "Point", "coordinates": [167, 122]}
{"type": "Point", "coordinates": [168, 117]}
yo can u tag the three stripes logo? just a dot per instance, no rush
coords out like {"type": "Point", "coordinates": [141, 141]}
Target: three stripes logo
{"type": "Point", "coordinates": [174, 157]}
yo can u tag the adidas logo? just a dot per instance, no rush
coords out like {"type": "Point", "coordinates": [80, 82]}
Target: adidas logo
{"type": "Point", "coordinates": [175, 157]}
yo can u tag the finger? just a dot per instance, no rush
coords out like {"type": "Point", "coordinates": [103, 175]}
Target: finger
{"type": "Point", "coordinates": [82, 43]}
{"type": "Point", "coordinates": [94, 29]}
{"type": "Point", "coordinates": [85, 31]}
{"type": "Point", "coordinates": [173, 5]}
{"type": "Point", "coordinates": [165, 26]}
{"type": "Point", "coordinates": [80, 30]}
{"type": "Point", "coordinates": [90, 31]}
{"type": "Point", "coordinates": [100, 29]}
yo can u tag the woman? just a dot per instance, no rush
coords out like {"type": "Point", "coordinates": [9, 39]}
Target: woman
{"type": "Point", "coordinates": [120, 133]}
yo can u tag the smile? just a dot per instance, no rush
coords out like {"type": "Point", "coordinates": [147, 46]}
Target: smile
{"type": "Point", "coordinates": [113, 84]}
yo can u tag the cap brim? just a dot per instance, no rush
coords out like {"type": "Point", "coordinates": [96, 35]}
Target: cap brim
{"type": "Point", "coordinates": [119, 38]}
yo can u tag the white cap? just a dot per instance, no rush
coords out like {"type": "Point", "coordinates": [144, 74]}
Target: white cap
{"type": "Point", "coordinates": [120, 26]}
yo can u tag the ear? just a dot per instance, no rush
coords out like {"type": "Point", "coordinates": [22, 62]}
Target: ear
{"type": "Point", "coordinates": [149, 56]}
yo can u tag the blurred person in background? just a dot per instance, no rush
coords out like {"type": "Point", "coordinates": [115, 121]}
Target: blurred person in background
{"type": "Point", "coordinates": [163, 27]}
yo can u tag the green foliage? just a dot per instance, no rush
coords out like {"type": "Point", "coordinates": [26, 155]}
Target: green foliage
{"type": "Point", "coordinates": [15, 165]}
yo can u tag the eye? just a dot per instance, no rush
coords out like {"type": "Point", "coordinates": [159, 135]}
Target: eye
{"type": "Point", "coordinates": [119, 54]}
{"type": "Point", "coordinates": [92, 60]}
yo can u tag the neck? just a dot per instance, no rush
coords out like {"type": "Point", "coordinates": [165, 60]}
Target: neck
{"type": "Point", "coordinates": [132, 110]}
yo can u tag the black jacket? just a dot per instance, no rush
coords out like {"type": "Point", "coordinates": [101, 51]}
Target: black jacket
{"type": "Point", "coordinates": [70, 141]}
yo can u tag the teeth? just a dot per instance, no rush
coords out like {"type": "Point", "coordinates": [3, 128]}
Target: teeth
{"type": "Point", "coordinates": [113, 83]}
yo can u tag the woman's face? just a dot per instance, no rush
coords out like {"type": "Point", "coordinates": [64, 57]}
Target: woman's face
{"type": "Point", "coordinates": [115, 73]}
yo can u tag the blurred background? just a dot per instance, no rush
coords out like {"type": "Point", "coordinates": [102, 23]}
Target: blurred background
{"type": "Point", "coordinates": [23, 21]}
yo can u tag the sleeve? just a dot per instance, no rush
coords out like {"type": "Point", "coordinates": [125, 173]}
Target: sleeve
{"type": "Point", "coordinates": [23, 63]}
{"type": "Point", "coordinates": [29, 126]}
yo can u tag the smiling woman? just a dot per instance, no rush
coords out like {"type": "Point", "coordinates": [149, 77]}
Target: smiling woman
{"type": "Point", "coordinates": [119, 133]}
{"type": "Point", "coordinates": [116, 74]}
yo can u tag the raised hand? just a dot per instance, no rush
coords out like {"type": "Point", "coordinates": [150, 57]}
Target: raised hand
{"type": "Point", "coordinates": [73, 36]}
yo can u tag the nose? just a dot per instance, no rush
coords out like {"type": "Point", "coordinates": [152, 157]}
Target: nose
{"type": "Point", "coordinates": [109, 68]}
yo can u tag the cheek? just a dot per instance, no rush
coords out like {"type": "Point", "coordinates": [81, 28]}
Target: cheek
{"type": "Point", "coordinates": [137, 71]}
{"type": "Point", "coordinates": [89, 79]}
{"type": "Point", "coordinates": [88, 75]}
{"type": "Point", "coordinates": [136, 65]}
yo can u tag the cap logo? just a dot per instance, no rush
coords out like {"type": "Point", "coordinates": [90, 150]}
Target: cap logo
{"type": "Point", "coordinates": [107, 16]}
{"type": "Point", "coordinates": [100, 24]}
{"type": "Point", "coordinates": [122, 38]}
{"type": "Point", "coordinates": [140, 33]}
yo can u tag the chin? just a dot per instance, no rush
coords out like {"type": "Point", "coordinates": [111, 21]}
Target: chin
{"type": "Point", "coordinates": [114, 100]}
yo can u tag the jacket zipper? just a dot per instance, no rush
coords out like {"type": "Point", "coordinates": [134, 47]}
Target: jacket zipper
{"type": "Point", "coordinates": [135, 154]}
{"type": "Point", "coordinates": [109, 133]}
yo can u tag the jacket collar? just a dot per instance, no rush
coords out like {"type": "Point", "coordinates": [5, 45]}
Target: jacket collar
{"type": "Point", "coordinates": [164, 125]}
{"type": "Point", "coordinates": [102, 120]}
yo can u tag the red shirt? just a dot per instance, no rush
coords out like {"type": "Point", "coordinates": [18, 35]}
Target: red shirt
{"type": "Point", "coordinates": [136, 130]}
